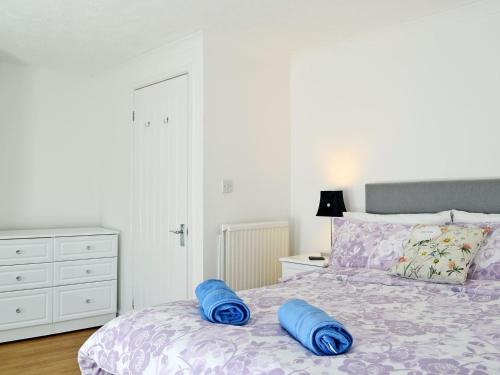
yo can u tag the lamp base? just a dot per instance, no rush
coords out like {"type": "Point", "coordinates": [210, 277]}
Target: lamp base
{"type": "Point", "coordinates": [331, 233]}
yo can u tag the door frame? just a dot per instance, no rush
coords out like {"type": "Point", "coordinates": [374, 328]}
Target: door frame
{"type": "Point", "coordinates": [191, 65]}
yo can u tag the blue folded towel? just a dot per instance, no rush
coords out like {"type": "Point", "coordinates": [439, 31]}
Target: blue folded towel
{"type": "Point", "coordinates": [219, 304]}
{"type": "Point", "coordinates": [313, 328]}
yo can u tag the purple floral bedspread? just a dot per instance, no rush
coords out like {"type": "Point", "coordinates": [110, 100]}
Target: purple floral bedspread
{"type": "Point", "coordinates": [399, 327]}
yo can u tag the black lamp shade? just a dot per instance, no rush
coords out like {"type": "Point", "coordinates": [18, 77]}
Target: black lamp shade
{"type": "Point", "coordinates": [331, 204]}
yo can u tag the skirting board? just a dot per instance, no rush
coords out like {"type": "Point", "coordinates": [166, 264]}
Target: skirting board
{"type": "Point", "coordinates": [53, 328]}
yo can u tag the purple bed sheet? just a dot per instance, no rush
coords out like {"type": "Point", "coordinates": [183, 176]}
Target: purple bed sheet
{"type": "Point", "coordinates": [399, 327]}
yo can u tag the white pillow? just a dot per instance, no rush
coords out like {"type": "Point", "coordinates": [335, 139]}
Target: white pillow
{"type": "Point", "coordinates": [439, 218]}
{"type": "Point", "coordinates": [474, 217]}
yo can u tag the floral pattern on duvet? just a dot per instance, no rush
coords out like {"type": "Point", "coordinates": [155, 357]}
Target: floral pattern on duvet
{"type": "Point", "coordinates": [399, 326]}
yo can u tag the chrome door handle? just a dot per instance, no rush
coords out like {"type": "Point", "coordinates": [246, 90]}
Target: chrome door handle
{"type": "Point", "coordinates": [182, 233]}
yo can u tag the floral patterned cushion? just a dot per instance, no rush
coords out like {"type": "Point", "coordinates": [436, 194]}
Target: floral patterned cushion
{"type": "Point", "coordinates": [366, 244]}
{"type": "Point", "coordinates": [486, 264]}
{"type": "Point", "coordinates": [439, 253]}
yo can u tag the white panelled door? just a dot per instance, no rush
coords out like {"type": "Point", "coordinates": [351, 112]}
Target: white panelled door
{"type": "Point", "coordinates": [159, 192]}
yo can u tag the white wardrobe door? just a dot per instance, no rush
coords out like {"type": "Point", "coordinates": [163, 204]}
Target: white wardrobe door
{"type": "Point", "coordinates": [159, 192]}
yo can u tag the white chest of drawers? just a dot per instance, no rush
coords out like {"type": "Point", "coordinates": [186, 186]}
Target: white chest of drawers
{"type": "Point", "coordinates": [56, 280]}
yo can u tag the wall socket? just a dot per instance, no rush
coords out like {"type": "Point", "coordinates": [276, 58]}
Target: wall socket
{"type": "Point", "coordinates": [227, 186]}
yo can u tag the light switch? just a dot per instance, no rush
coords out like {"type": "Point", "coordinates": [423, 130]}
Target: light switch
{"type": "Point", "coordinates": [227, 186]}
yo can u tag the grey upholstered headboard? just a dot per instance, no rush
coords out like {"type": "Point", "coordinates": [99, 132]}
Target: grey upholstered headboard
{"type": "Point", "coordinates": [433, 196]}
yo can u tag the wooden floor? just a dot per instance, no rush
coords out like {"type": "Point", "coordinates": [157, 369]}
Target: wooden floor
{"type": "Point", "coordinates": [52, 355]}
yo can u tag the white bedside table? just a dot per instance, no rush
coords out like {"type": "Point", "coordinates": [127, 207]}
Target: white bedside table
{"type": "Point", "coordinates": [300, 263]}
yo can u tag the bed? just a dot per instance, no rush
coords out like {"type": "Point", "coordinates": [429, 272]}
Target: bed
{"type": "Point", "coordinates": [399, 326]}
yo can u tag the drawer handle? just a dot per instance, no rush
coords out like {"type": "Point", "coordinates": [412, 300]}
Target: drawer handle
{"type": "Point", "coordinates": [88, 247]}
{"type": "Point", "coordinates": [19, 252]}
{"type": "Point", "coordinates": [88, 300]}
{"type": "Point", "coordinates": [19, 278]}
{"type": "Point", "coordinates": [88, 272]}
{"type": "Point", "coordinates": [18, 311]}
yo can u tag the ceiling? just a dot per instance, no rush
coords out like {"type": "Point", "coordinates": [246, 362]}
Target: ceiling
{"type": "Point", "coordinates": [89, 36]}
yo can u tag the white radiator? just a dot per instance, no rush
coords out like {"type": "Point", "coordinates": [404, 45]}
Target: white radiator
{"type": "Point", "coordinates": [249, 253]}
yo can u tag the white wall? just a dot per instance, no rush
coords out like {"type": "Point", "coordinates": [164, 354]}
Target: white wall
{"type": "Point", "coordinates": [65, 142]}
{"type": "Point", "coordinates": [49, 149]}
{"type": "Point", "coordinates": [416, 102]}
{"type": "Point", "coordinates": [246, 136]}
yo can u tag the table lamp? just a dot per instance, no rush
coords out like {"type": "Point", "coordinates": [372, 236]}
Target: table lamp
{"type": "Point", "coordinates": [331, 204]}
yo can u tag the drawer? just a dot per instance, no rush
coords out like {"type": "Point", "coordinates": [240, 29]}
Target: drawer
{"type": "Point", "coordinates": [26, 308]}
{"type": "Point", "coordinates": [24, 251]}
{"type": "Point", "coordinates": [28, 276]}
{"type": "Point", "coordinates": [85, 247]}
{"type": "Point", "coordinates": [290, 269]}
{"type": "Point", "coordinates": [84, 300]}
{"type": "Point", "coordinates": [84, 271]}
